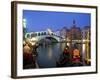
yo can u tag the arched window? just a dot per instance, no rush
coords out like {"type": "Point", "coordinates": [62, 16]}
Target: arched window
{"type": "Point", "coordinates": [36, 34]}
{"type": "Point", "coordinates": [28, 35]}
{"type": "Point", "coordinates": [44, 33]}
{"type": "Point", "coordinates": [33, 35]}
{"type": "Point", "coordinates": [39, 34]}
{"type": "Point", "coordinates": [51, 33]}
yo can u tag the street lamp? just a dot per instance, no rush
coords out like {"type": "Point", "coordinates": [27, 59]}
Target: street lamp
{"type": "Point", "coordinates": [87, 45]}
{"type": "Point", "coordinates": [24, 28]}
{"type": "Point", "coordinates": [24, 23]}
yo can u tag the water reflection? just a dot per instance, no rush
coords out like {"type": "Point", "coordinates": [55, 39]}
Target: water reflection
{"type": "Point", "coordinates": [49, 54]}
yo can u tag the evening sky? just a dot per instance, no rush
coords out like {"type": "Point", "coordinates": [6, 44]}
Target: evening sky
{"type": "Point", "coordinates": [42, 20]}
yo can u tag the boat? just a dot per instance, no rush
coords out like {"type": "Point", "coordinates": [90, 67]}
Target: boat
{"type": "Point", "coordinates": [63, 61]}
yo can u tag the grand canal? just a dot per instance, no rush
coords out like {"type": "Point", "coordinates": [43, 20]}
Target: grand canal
{"type": "Point", "coordinates": [49, 54]}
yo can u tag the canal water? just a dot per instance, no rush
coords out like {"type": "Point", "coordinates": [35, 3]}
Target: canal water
{"type": "Point", "coordinates": [49, 54]}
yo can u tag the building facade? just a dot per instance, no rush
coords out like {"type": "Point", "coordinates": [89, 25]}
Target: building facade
{"type": "Point", "coordinates": [63, 32]}
{"type": "Point", "coordinates": [74, 33]}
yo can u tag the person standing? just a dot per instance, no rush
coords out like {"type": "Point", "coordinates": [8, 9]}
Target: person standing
{"type": "Point", "coordinates": [28, 61]}
{"type": "Point", "coordinates": [65, 58]}
{"type": "Point", "coordinates": [76, 60]}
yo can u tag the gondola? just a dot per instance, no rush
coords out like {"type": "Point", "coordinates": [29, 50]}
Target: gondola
{"type": "Point", "coordinates": [63, 61]}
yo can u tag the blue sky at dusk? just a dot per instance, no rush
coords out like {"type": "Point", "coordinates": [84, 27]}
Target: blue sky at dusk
{"type": "Point", "coordinates": [41, 20]}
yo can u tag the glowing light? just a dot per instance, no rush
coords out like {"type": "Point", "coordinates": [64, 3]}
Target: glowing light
{"type": "Point", "coordinates": [24, 23]}
{"type": "Point", "coordinates": [33, 41]}
{"type": "Point", "coordinates": [68, 44]}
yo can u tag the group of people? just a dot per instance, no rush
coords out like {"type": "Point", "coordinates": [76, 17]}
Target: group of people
{"type": "Point", "coordinates": [70, 58]}
{"type": "Point", "coordinates": [29, 55]}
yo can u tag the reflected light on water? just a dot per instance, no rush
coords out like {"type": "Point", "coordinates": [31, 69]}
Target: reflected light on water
{"type": "Point", "coordinates": [49, 52]}
{"type": "Point", "coordinates": [62, 46]}
{"type": "Point", "coordinates": [83, 50]}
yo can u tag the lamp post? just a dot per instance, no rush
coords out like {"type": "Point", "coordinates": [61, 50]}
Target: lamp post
{"type": "Point", "coordinates": [87, 46]}
{"type": "Point", "coordinates": [24, 28]}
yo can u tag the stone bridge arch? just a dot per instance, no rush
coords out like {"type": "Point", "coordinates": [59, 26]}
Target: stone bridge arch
{"type": "Point", "coordinates": [43, 35]}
